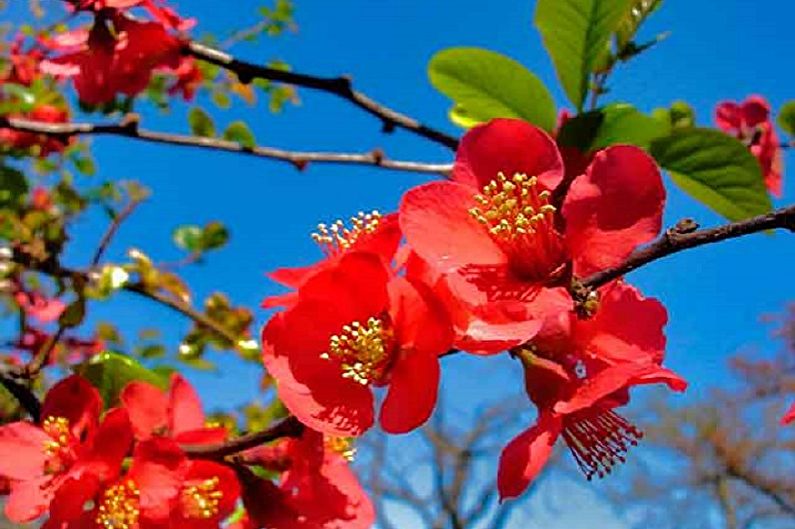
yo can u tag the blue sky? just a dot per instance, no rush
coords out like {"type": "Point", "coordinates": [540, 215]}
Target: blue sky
{"type": "Point", "coordinates": [715, 295]}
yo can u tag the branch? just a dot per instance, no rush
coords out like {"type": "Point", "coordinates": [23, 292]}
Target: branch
{"type": "Point", "coordinates": [128, 128]}
{"type": "Point", "coordinates": [339, 86]}
{"type": "Point", "coordinates": [55, 270]}
{"type": "Point", "coordinates": [26, 398]}
{"type": "Point", "coordinates": [114, 226]}
{"type": "Point", "coordinates": [682, 236]}
{"type": "Point", "coordinates": [289, 427]}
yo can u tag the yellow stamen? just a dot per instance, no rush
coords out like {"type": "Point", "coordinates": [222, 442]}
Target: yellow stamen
{"type": "Point", "coordinates": [340, 445]}
{"type": "Point", "coordinates": [512, 207]}
{"type": "Point", "coordinates": [201, 500]}
{"type": "Point", "coordinates": [361, 349]}
{"type": "Point", "coordinates": [337, 237]}
{"type": "Point", "coordinates": [119, 507]}
{"type": "Point", "coordinates": [58, 430]}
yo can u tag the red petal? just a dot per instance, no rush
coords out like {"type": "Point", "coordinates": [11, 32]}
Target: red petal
{"type": "Point", "coordinates": [69, 500]}
{"type": "Point", "coordinates": [509, 146]}
{"type": "Point", "coordinates": [420, 320]}
{"type": "Point", "coordinates": [614, 207]}
{"type": "Point", "coordinates": [199, 471]}
{"type": "Point", "coordinates": [204, 436]}
{"type": "Point", "coordinates": [789, 416]}
{"type": "Point", "coordinates": [614, 378]}
{"type": "Point", "coordinates": [22, 455]}
{"type": "Point", "coordinates": [608, 336]}
{"type": "Point", "coordinates": [436, 222]}
{"type": "Point", "coordinates": [413, 389]}
{"type": "Point", "coordinates": [29, 499]}
{"type": "Point", "coordinates": [184, 407]}
{"type": "Point", "coordinates": [728, 116]}
{"type": "Point", "coordinates": [525, 456]}
{"type": "Point", "coordinates": [336, 406]}
{"type": "Point", "coordinates": [110, 445]}
{"type": "Point", "coordinates": [147, 406]}
{"type": "Point", "coordinates": [76, 400]}
{"type": "Point", "coordinates": [158, 470]}
{"type": "Point", "coordinates": [755, 110]}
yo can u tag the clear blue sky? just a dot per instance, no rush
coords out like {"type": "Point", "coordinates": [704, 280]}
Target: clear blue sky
{"type": "Point", "coordinates": [715, 295]}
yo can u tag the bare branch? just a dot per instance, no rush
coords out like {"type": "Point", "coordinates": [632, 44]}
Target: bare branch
{"type": "Point", "coordinates": [339, 86]}
{"type": "Point", "coordinates": [289, 427]}
{"type": "Point", "coordinates": [128, 128]}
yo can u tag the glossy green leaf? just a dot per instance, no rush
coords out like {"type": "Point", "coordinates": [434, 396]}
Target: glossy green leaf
{"type": "Point", "coordinates": [13, 185]}
{"type": "Point", "coordinates": [624, 124]}
{"type": "Point", "coordinates": [715, 169]}
{"type": "Point", "coordinates": [201, 124]}
{"type": "Point", "coordinates": [214, 235]}
{"type": "Point", "coordinates": [188, 237]}
{"type": "Point", "coordinates": [110, 372]}
{"type": "Point", "coordinates": [484, 85]}
{"type": "Point", "coordinates": [577, 34]}
{"type": "Point", "coordinates": [786, 117]}
{"type": "Point", "coordinates": [238, 131]}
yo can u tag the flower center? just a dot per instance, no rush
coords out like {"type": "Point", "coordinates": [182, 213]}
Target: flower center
{"type": "Point", "coordinates": [202, 499]}
{"type": "Point", "coordinates": [119, 507]}
{"type": "Point", "coordinates": [340, 445]}
{"type": "Point", "coordinates": [337, 238]}
{"type": "Point", "coordinates": [362, 350]}
{"type": "Point", "coordinates": [599, 440]}
{"type": "Point", "coordinates": [520, 218]}
{"type": "Point", "coordinates": [58, 447]}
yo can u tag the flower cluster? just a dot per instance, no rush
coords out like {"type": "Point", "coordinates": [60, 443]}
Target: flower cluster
{"type": "Point", "coordinates": [750, 122]}
{"type": "Point", "coordinates": [119, 52]}
{"type": "Point", "coordinates": [487, 264]}
{"type": "Point", "coordinates": [127, 468]}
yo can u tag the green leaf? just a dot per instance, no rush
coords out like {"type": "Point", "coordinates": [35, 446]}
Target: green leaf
{"type": "Point", "coordinates": [110, 372]}
{"type": "Point", "coordinates": [786, 117]}
{"type": "Point", "coordinates": [201, 124]}
{"type": "Point", "coordinates": [484, 84]}
{"type": "Point", "coordinates": [577, 35]}
{"type": "Point", "coordinates": [715, 169]}
{"type": "Point", "coordinates": [188, 237]}
{"type": "Point", "coordinates": [238, 131]}
{"type": "Point", "coordinates": [619, 123]}
{"type": "Point", "coordinates": [13, 186]}
{"type": "Point", "coordinates": [623, 123]}
{"type": "Point", "coordinates": [73, 314]}
{"type": "Point", "coordinates": [214, 235]}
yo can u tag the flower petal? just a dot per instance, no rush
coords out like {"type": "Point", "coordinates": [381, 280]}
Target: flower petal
{"type": "Point", "coordinates": [509, 146]}
{"type": "Point", "coordinates": [22, 455]}
{"type": "Point", "coordinates": [608, 336]}
{"type": "Point", "coordinates": [110, 445]}
{"type": "Point", "coordinates": [525, 456]}
{"type": "Point", "coordinates": [147, 406]}
{"type": "Point", "coordinates": [614, 207]}
{"type": "Point", "coordinates": [76, 400]}
{"type": "Point", "coordinates": [29, 499]}
{"type": "Point", "coordinates": [615, 378]}
{"type": "Point", "coordinates": [436, 222]}
{"type": "Point", "coordinates": [789, 416]}
{"type": "Point", "coordinates": [184, 407]}
{"type": "Point", "coordinates": [413, 389]}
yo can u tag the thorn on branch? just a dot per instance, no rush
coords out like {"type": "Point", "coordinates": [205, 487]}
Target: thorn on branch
{"type": "Point", "coordinates": [378, 156]}
{"type": "Point", "coordinates": [129, 123]}
{"type": "Point", "coordinates": [683, 227]}
{"type": "Point", "coordinates": [301, 165]}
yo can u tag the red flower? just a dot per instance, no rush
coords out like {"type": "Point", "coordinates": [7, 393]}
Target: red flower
{"type": "Point", "coordinates": [318, 489]}
{"type": "Point", "coordinates": [500, 240]}
{"type": "Point", "coordinates": [789, 416]}
{"type": "Point", "coordinates": [368, 232]}
{"type": "Point", "coordinates": [750, 122]}
{"type": "Point", "coordinates": [69, 444]}
{"type": "Point", "coordinates": [110, 62]}
{"type": "Point", "coordinates": [162, 489]}
{"type": "Point", "coordinates": [177, 415]}
{"type": "Point", "coordinates": [354, 325]}
{"type": "Point", "coordinates": [35, 305]}
{"type": "Point", "coordinates": [576, 373]}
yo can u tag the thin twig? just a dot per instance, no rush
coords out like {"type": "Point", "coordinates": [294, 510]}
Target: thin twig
{"type": "Point", "coordinates": [128, 127]}
{"type": "Point", "coordinates": [55, 270]}
{"type": "Point", "coordinates": [683, 237]}
{"type": "Point", "coordinates": [339, 86]}
{"type": "Point", "coordinates": [289, 427]}
{"type": "Point", "coordinates": [120, 217]}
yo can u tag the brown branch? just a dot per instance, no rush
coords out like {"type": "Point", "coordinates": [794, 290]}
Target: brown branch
{"type": "Point", "coordinates": [684, 236]}
{"type": "Point", "coordinates": [104, 242]}
{"type": "Point", "coordinates": [128, 128]}
{"type": "Point", "coordinates": [339, 86]}
{"type": "Point", "coordinates": [289, 427]}
{"type": "Point", "coordinates": [53, 269]}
